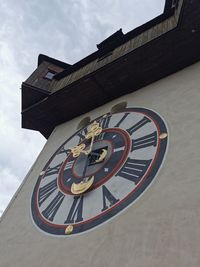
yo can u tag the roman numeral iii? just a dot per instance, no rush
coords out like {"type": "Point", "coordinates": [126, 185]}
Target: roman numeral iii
{"type": "Point", "coordinates": [145, 141]}
{"type": "Point", "coordinates": [134, 169]}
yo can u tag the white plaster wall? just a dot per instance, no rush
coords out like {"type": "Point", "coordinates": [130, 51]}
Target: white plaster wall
{"type": "Point", "coordinates": [161, 229]}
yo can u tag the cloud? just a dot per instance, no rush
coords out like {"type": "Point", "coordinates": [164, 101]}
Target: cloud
{"type": "Point", "coordinates": [66, 30]}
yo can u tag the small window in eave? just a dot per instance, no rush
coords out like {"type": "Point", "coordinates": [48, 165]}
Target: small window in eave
{"type": "Point", "coordinates": [50, 74]}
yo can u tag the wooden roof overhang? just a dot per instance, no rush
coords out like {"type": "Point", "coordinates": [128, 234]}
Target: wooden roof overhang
{"type": "Point", "coordinates": [77, 92]}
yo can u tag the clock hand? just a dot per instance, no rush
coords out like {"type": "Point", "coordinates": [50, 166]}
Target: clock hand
{"type": "Point", "coordinates": [98, 156]}
{"type": "Point", "coordinates": [94, 130]}
{"type": "Point", "coordinates": [77, 150]}
{"type": "Point", "coordinates": [78, 189]}
{"type": "Point", "coordinates": [102, 156]}
{"type": "Point", "coordinates": [87, 152]}
{"type": "Point", "coordinates": [85, 184]}
{"type": "Point", "coordinates": [85, 167]}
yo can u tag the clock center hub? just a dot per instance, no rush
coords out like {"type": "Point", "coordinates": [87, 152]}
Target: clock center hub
{"type": "Point", "coordinates": [106, 157]}
{"type": "Point", "coordinates": [93, 160]}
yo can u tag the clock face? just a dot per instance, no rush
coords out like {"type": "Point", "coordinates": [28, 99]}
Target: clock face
{"type": "Point", "coordinates": [99, 171]}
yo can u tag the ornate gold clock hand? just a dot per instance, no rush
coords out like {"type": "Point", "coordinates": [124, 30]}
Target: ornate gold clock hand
{"type": "Point", "coordinates": [85, 184]}
{"type": "Point", "coordinates": [87, 152]}
{"type": "Point", "coordinates": [76, 151]}
{"type": "Point", "coordinates": [94, 130]}
{"type": "Point", "coordinates": [80, 188]}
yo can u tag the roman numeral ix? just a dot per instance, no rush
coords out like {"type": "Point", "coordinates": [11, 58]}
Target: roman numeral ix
{"type": "Point", "coordinates": [46, 191]}
{"type": "Point", "coordinates": [53, 170]}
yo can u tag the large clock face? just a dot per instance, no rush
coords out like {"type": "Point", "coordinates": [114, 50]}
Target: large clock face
{"type": "Point", "coordinates": [99, 171]}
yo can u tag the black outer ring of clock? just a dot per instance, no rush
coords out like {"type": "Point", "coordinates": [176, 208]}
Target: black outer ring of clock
{"type": "Point", "coordinates": [59, 230]}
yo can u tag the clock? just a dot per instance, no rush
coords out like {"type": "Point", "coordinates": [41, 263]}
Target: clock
{"type": "Point", "coordinates": [99, 171]}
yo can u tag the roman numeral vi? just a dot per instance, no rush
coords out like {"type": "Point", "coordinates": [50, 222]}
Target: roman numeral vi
{"type": "Point", "coordinates": [76, 211]}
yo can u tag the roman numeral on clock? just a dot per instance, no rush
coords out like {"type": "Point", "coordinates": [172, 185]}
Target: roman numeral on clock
{"type": "Point", "coordinates": [100, 136]}
{"type": "Point", "coordinates": [138, 125]}
{"type": "Point", "coordinates": [76, 212]}
{"type": "Point", "coordinates": [145, 141]}
{"type": "Point", "coordinates": [108, 197]}
{"type": "Point", "coordinates": [53, 170]}
{"type": "Point", "coordinates": [51, 210]}
{"type": "Point", "coordinates": [82, 134]}
{"type": "Point", "coordinates": [134, 169]}
{"type": "Point", "coordinates": [63, 150]}
{"type": "Point", "coordinates": [104, 121]}
{"type": "Point", "coordinates": [122, 119]}
{"type": "Point", "coordinates": [46, 191]}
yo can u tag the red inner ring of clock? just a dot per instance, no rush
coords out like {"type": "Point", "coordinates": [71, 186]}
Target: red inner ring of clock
{"type": "Point", "coordinates": [127, 143]}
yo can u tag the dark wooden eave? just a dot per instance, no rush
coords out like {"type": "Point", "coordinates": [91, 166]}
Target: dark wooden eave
{"type": "Point", "coordinates": [32, 95]}
{"type": "Point", "coordinates": [59, 63]}
{"type": "Point", "coordinates": [118, 38]}
{"type": "Point", "coordinates": [162, 56]}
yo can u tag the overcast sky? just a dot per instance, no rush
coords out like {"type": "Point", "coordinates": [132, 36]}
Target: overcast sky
{"type": "Point", "coordinates": [67, 30]}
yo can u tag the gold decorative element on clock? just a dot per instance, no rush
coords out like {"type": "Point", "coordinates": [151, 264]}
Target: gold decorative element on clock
{"type": "Point", "coordinates": [69, 229]}
{"type": "Point", "coordinates": [78, 189]}
{"type": "Point", "coordinates": [163, 135]}
{"type": "Point", "coordinates": [77, 150]}
{"type": "Point", "coordinates": [94, 130]}
{"type": "Point", "coordinates": [102, 156]}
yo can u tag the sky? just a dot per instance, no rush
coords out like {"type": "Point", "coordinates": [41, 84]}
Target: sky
{"type": "Point", "coordinates": [67, 30]}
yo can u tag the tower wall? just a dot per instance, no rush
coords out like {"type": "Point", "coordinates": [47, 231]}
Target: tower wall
{"type": "Point", "coordinates": [160, 229]}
